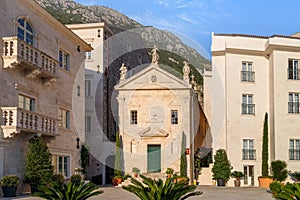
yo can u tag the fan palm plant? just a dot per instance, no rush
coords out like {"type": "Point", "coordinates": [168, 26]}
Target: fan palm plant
{"type": "Point", "coordinates": [151, 189]}
{"type": "Point", "coordinates": [289, 192]}
{"type": "Point", "coordinates": [72, 191]}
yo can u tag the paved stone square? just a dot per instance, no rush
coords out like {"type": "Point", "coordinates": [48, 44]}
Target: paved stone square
{"type": "Point", "coordinates": [209, 193]}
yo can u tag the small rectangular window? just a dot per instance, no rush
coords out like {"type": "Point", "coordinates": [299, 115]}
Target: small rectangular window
{"type": "Point", "coordinates": [64, 60]}
{"type": "Point", "coordinates": [88, 88]}
{"type": "Point", "coordinates": [174, 116]}
{"type": "Point", "coordinates": [26, 103]}
{"type": "Point", "coordinates": [88, 124]}
{"type": "Point", "coordinates": [61, 165]}
{"type": "Point", "coordinates": [249, 152]}
{"type": "Point", "coordinates": [247, 73]}
{"type": "Point", "coordinates": [293, 69]}
{"type": "Point", "coordinates": [88, 56]}
{"type": "Point", "coordinates": [293, 104]}
{"type": "Point", "coordinates": [133, 117]}
{"type": "Point", "coordinates": [294, 151]}
{"type": "Point", "coordinates": [64, 118]}
{"type": "Point", "coordinates": [248, 107]}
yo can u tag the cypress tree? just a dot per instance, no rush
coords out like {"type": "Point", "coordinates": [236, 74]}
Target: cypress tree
{"type": "Point", "coordinates": [118, 164]}
{"type": "Point", "coordinates": [183, 161]}
{"type": "Point", "coordinates": [265, 150]}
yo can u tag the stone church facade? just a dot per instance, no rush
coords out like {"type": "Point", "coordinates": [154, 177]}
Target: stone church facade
{"type": "Point", "coordinates": [156, 112]}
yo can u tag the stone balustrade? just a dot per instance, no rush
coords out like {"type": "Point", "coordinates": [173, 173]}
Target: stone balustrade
{"type": "Point", "coordinates": [18, 52]}
{"type": "Point", "coordinates": [16, 120]}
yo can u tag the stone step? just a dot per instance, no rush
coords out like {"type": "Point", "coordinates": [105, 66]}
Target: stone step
{"type": "Point", "coordinates": [205, 178]}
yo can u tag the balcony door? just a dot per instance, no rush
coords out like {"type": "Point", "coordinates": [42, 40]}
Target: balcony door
{"type": "Point", "coordinates": [249, 175]}
{"type": "Point", "coordinates": [154, 159]}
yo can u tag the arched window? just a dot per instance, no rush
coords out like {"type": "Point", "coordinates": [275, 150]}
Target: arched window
{"type": "Point", "coordinates": [25, 31]}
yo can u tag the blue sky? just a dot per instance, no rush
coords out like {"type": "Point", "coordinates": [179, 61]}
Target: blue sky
{"type": "Point", "coordinates": [197, 19]}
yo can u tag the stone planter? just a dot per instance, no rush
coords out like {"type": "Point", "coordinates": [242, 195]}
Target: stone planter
{"type": "Point", "coordinates": [221, 182]}
{"type": "Point", "coordinates": [116, 181]}
{"type": "Point", "coordinates": [264, 182]}
{"type": "Point", "coordinates": [237, 183]}
{"type": "Point", "coordinates": [9, 191]}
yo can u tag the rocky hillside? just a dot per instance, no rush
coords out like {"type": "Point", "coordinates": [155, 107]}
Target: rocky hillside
{"type": "Point", "coordinates": [70, 12]}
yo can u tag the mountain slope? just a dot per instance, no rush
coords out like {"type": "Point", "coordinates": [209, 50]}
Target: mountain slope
{"type": "Point", "coordinates": [70, 12]}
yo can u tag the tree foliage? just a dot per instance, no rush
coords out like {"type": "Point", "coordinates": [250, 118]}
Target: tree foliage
{"type": "Point", "coordinates": [289, 192]}
{"type": "Point", "coordinates": [222, 166]}
{"type": "Point", "coordinates": [279, 170]}
{"type": "Point", "coordinates": [72, 191]}
{"type": "Point", "coordinates": [39, 169]}
{"type": "Point", "coordinates": [183, 161]}
{"type": "Point", "coordinates": [265, 149]}
{"type": "Point", "coordinates": [84, 158]}
{"type": "Point", "coordinates": [118, 164]}
{"type": "Point", "coordinates": [151, 189]}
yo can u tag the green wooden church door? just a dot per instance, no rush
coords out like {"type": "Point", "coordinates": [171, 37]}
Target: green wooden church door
{"type": "Point", "coordinates": [154, 159]}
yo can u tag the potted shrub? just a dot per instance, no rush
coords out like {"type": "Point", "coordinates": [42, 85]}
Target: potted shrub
{"type": "Point", "coordinates": [222, 167]}
{"type": "Point", "coordinates": [136, 171]}
{"type": "Point", "coordinates": [275, 188]}
{"type": "Point", "coordinates": [169, 172]}
{"type": "Point", "coordinates": [265, 179]}
{"type": "Point", "coordinates": [39, 169]}
{"type": "Point", "coordinates": [279, 170]}
{"type": "Point", "coordinates": [9, 185]}
{"type": "Point", "coordinates": [118, 178]}
{"type": "Point", "coordinates": [238, 175]}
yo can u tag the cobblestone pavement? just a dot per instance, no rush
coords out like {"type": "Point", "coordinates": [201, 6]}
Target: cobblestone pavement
{"type": "Point", "coordinates": [209, 193]}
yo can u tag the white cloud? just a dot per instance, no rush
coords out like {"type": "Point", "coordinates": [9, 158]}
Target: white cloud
{"type": "Point", "coordinates": [187, 18]}
{"type": "Point", "coordinates": [164, 3]}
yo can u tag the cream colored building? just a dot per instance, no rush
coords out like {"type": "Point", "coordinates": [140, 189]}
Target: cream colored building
{"type": "Point", "coordinates": [100, 148]}
{"type": "Point", "coordinates": [155, 110]}
{"type": "Point", "coordinates": [112, 46]}
{"type": "Point", "coordinates": [252, 75]}
{"type": "Point", "coordinates": [42, 87]}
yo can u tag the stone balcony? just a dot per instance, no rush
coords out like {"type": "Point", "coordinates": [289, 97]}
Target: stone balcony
{"type": "Point", "coordinates": [16, 121]}
{"type": "Point", "coordinates": [17, 53]}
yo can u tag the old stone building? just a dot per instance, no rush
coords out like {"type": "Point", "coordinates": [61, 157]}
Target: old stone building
{"type": "Point", "coordinates": [157, 114]}
{"type": "Point", "coordinates": [41, 87]}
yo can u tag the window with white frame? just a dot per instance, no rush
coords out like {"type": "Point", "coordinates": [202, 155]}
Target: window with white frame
{"type": "Point", "coordinates": [26, 103]}
{"type": "Point", "coordinates": [88, 56]}
{"type": "Point", "coordinates": [293, 69]}
{"type": "Point", "coordinates": [61, 165]}
{"type": "Point", "coordinates": [88, 124]}
{"type": "Point", "coordinates": [133, 117]}
{"type": "Point", "coordinates": [294, 151]}
{"type": "Point", "coordinates": [293, 103]}
{"type": "Point", "coordinates": [174, 116]}
{"type": "Point", "coordinates": [64, 118]}
{"type": "Point", "coordinates": [248, 149]}
{"type": "Point", "coordinates": [247, 73]}
{"type": "Point", "coordinates": [88, 88]}
{"type": "Point", "coordinates": [247, 104]}
{"type": "Point", "coordinates": [64, 60]}
{"type": "Point", "coordinates": [25, 31]}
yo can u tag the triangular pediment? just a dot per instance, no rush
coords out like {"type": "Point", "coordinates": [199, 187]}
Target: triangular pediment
{"type": "Point", "coordinates": [152, 77]}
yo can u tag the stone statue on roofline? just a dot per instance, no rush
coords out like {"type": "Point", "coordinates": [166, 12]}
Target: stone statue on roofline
{"type": "Point", "coordinates": [123, 72]}
{"type": "Point", "coordinates": [186, 71]}
{"type": "Point", "coordinates": [155, 55]}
